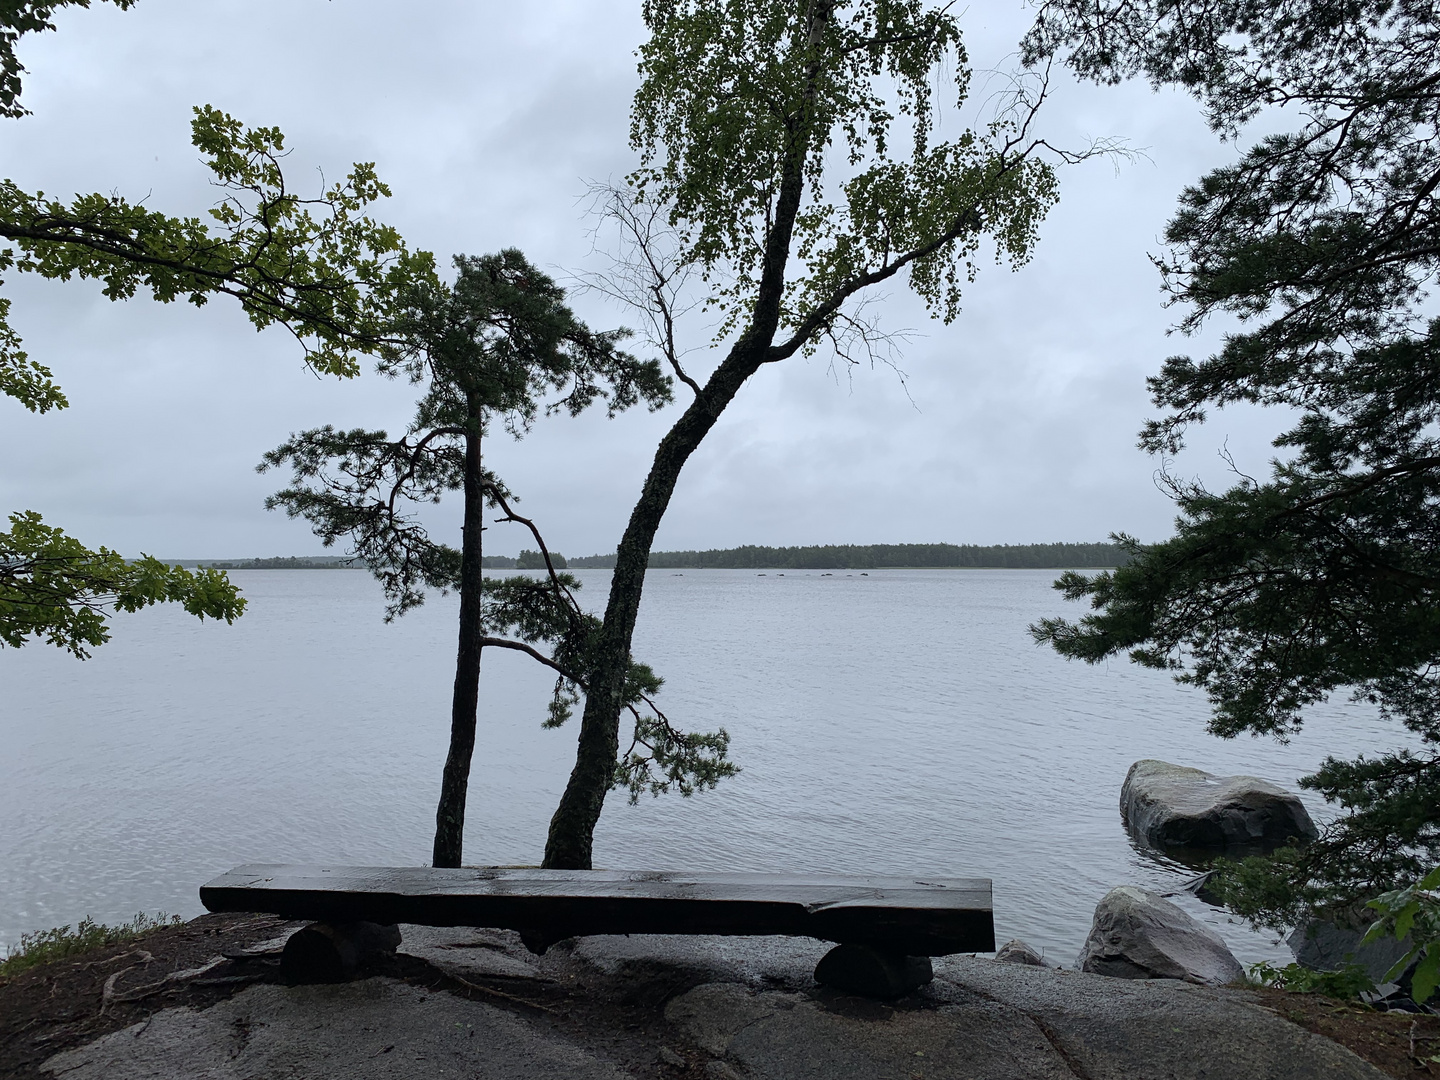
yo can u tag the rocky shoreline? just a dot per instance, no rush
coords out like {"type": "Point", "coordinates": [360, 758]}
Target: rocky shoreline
{"type": "Point", "coordinates": [476, 1002]}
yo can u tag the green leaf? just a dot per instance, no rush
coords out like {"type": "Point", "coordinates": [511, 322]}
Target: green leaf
{"type": "Point", "coordinates": [1405, 919]}
{"type": "Point", "coordinates": [1398, 968]}
{"type": "Point", "coordinates": [1427, 975]}
{"type": "Point", "coordinates": [1378, 929]}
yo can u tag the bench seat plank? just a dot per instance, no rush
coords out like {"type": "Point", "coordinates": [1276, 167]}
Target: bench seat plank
{"type": "Point", "coordinates": [917, 916]}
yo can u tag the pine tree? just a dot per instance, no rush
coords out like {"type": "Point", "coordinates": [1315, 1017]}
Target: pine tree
{"type": "Point", "coordinates": [1322, 577]}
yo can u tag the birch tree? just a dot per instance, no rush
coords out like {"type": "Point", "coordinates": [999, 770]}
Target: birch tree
{"type": "Point", "coordinates": [770, 144]}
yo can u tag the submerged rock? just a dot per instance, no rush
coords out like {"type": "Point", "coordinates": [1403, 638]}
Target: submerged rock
{"type": "Point", "coordinates": [1328, 946]}
{"type": "Point", "coordinates": [1202, 887]}
{"type": "Point", "coordinates": [1171, 806]}
{"type": "Point", "coordinates": [1017, 952]}
{"type": "Point", "coordinates": [1138, 934]}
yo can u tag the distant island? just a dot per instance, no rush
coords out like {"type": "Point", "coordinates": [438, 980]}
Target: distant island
{"type": "Point", "coordinates": [849, 557]}
{"type": "Point", "coordinates": [279, 562]}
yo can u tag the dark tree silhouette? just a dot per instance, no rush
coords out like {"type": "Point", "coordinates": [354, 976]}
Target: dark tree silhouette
{"type": "Point", "coordinates": [500, 345]}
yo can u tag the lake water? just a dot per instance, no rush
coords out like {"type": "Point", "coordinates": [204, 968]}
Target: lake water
{"type": "Point", "coordinates": [900, 722]}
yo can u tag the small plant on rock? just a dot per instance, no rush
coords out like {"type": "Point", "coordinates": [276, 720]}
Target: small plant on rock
{"type": "Point", "coordinates": [43, 946]}
{"type": "Point", "coordinates": [1347, 983]}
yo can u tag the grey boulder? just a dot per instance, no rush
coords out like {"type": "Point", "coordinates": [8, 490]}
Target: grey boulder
{"type": "Point", "coordinates": [1138, 934]}
{"type": "Point", "coordinates": [1171, 806]}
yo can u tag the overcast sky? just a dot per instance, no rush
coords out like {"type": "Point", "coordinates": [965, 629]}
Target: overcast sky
{"type": "Point", "coordinates": [1016, 423]}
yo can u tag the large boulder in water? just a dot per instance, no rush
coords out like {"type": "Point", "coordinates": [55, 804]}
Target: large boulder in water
{"type": "Point", "coordinates": [1171, 806]}
{"type": "Point", "coordinates": [1138, 934]}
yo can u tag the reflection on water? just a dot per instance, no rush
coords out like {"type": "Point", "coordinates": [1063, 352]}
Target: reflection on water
{"type": "Point", "coordinates": [897, 722]}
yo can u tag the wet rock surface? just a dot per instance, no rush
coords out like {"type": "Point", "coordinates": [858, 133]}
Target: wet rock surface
{"type": "Point", "coordinates": [1138, 934]}
{"type": "Point", "coordinates": [784, 1035]}
{"type": "Point", "coordinates": [471, 952]}
{"type": "Point", "coordinates": [1173, 806]}
{"type": "Point", "coordinates": [1109, 1029]}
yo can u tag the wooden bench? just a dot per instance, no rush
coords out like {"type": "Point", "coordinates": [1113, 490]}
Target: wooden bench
{"type": "Point", "coordinates": [887, 928]}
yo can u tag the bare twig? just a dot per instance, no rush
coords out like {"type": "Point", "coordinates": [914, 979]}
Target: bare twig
{"type": "Point", "coordinates": [499, 994]}
{"type": "Point", "coordinates": [649, 275]}
{"type": "Point", "coordinates": [533, 653]}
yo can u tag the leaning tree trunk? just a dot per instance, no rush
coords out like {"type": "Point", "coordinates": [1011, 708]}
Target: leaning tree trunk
{"type": "Point", "coordinates": [573, 825]}
{"type": "Point", "coordinates": [572, 828]}
{"type": "Point", "coordinates": [450, 815]}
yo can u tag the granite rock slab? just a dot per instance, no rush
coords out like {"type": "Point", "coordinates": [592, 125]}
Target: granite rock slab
{"type": "Point", "coordinates": [371, 1030]}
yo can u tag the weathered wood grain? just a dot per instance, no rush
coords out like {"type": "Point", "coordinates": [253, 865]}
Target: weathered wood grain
{"type": "Point", "coordinates": [915, 916]}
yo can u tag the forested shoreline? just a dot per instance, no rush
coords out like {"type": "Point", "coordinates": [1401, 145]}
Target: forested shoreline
{"type": "Point", "coordinates": [763, 557]}
{"type": "Point", "coordinates": [862, 557]}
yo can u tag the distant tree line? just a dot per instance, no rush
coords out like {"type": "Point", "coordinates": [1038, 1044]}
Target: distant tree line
{"type": "Point", "coordinates": [874, 556]}
{"type": "Point", "coordinates": [758, 557]}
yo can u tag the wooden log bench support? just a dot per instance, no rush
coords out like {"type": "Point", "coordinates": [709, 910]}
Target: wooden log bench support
{"type": "Point", "coordinates": [886, 928]}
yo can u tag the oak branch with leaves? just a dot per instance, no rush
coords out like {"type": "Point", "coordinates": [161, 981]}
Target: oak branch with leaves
{"type": "Point", "coordinates": [319, 266]}
{"type": "Point", "coordinates": [54, 589]}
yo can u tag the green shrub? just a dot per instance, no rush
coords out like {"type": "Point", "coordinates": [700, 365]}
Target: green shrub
{"type": "Point", "coordinates": [1349, 982]}
{"type": "Point", "coordinates": [1412, 912]}
{"type": "Point", "coordinates": [44, 946]}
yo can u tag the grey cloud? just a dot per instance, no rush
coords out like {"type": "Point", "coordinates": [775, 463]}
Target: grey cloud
{"type": "Point", "coordinates": [487, 118]}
